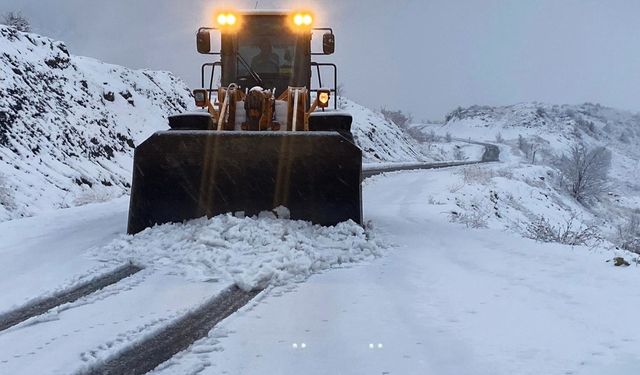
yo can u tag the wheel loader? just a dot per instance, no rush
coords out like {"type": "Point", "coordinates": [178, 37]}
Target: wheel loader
{"type": "Point", "coordinates": [265, 134]}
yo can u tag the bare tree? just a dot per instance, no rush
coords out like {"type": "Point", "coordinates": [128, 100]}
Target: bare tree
{"type": "Point", "coordinates": [397, 117]}
{"type": "Point", "coordinates": [16, 20]}
{"type": "Point", "coordinates": [458, 154]}
{"type": "Point", "coordinates": [629, 234]}
{"type": "Point", "coordinates": [448, 138]}
{"type": "Point", "coordinates": [529, 148]}
{"type": "Point", "coordinates": [584, 171]}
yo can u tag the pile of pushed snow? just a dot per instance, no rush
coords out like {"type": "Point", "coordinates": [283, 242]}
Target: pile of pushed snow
{"type": "Point", "coordinates": [380, 139]}
{"type": "Point", "coordinates": [68, 125]}
{"type": "Point", "coordinates": [250, 252]}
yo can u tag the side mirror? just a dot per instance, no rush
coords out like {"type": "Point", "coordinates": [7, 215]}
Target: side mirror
{"type": "Point", "coordinates": [203, 41]}
{"type": "Point", "coordinates": [328, 43]}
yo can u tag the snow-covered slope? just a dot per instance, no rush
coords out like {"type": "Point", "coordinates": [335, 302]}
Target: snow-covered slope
{"type": "Point", "coordinates": [553, 129]}
{"type": "Point", "coordinates": [557, 126]}
{"type": "Point", "coordinates": [68, 124]}
{"type": "Point", "coordinates": [380, 140]}
{"type": "Point", "coordinates": [525, 187]}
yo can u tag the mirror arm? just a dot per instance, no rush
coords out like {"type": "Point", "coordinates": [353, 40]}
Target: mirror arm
{"type": "Point", "coordinates": [330, 30]}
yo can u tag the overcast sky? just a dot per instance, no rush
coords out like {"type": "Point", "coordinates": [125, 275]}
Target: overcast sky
{"type": "Point", "coordinates": [426, 57]}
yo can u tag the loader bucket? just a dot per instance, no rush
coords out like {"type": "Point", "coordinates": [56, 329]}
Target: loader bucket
{"type": "Point", "coordinates": [180, 175]}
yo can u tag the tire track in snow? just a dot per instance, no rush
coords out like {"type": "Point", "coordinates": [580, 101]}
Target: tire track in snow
{"type": "Point", "coordinates": [147, 354]}
{"type": "Point", "coordinates": [38, 307]}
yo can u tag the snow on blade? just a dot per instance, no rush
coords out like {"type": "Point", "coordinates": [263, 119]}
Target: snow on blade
{"type": "Point", "coordinates": [251, 252]}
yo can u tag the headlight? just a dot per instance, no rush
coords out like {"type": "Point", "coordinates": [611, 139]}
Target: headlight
{"type": "Point", "coordinates": [323, 98]}
{"type": "Point", "coordinates": [201, 97]}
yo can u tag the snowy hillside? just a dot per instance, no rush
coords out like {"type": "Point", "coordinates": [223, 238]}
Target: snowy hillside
{"type": "Point", "coordinates": [380, 140]}
{"type": "Point", "coordinates": [526, 189]}
{"type": "Point", "coordinates": [68, 124]}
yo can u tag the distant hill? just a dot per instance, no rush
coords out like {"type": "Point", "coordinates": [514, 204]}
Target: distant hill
{"type": "Point", "coordinates": [555, 128]}
{"type": "Point", "coordinates": [528, 184]}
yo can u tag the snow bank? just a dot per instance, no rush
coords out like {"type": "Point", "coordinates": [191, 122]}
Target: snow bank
{"type": "Point", "coordinates": [68, 124]}
{"type": "Point", "coordinates": [251, 252]}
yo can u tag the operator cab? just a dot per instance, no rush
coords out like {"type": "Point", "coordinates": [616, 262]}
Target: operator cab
{"type": "Point", "coordinates": [269, 54]}
{"type": "Point", "coordinates": [270, 49]}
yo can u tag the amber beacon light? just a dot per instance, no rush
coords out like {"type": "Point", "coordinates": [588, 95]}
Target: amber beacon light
{"type": "Point", "coordinates": [302, 20]}
{"type": "Point", "coordinates": [228, 21]}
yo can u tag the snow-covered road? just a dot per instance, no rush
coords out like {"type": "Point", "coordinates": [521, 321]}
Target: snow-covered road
{"type": "Point", "coordinates": [444, 300]}
{"type": "Point", "coordinates": [49, 251]}
{"type": "Point", "coordinates": [447, 300]}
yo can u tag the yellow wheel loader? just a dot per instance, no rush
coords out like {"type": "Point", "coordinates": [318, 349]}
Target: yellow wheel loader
{"type": "Point", "coordinates": [267, 137]}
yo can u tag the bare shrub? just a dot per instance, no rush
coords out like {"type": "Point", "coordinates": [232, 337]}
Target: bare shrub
{"type": "Point", "coordinates": [424, 137]}
{"type": "Point", "coordinates": [499, 138]}
{"type": "Point", "coordinates": [474, 215]}
{"type": "Point", "coordinates": [570, 233]}
{"type": "Point", "coordinates": [584, 171]}
{"type": "Point", "coordinates": [420, 136]}
{"type": "Point", "coordinates": [505, 172]}
{"type": "Point", "coordinates": [529, 148]}
{"type": "Point", "coordinates": [431, 137]}
{"type": "Point", "coordinates": [97, 194]}
{"type": "Point", "coordinates": [397, 117]}
{"type": "Point", "coordinates": [16, 20]}
{"type": "Point", "coordinates": [458, 154]}
{"type": "Point", "coordinates": [476, 174]}
{"type": "Point", "coordinates": [448, 138]}
{"type": "Point", "coordinates": [523, 145]}
{"type": "Point", "coordinates": [6, 195]}
{"type": "Point", "coordinates": [629, 234]}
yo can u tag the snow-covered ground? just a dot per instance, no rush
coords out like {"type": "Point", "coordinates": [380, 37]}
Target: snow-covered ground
{"type": "Point", "coordinates": [444, 299]}
{"type": "Point", "coordinates": [184, 266]}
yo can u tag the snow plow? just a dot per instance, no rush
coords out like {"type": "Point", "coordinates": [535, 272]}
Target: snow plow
{"type": "Point", "coordinates": [264, 138]}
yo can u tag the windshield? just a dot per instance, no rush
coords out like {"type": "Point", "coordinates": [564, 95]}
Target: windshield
{"type": "Point", "coordinates": [264, 49]}
{"type": "Point", "coordinates": [266, 54]}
